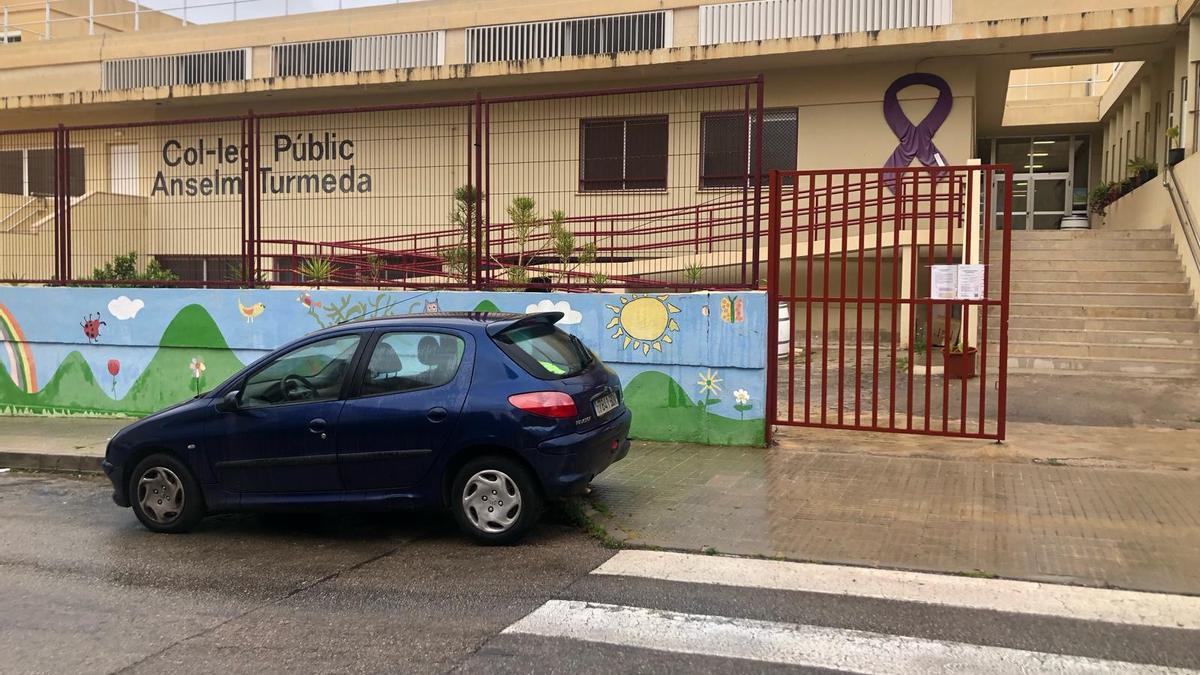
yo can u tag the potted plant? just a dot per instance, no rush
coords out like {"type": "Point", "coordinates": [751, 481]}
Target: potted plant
{"type": "Point", "coordinates": [1174, 154]}
{"type": "Point", "coordinates": [1141, 171]}
{"type": "Point", "coordinates": [1098, 199]}
{"type": "Point", "coordinates": [959, 363]}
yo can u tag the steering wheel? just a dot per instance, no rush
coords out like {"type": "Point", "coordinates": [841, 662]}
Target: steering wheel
{"type": "Point", "coordinates": [297, 388]}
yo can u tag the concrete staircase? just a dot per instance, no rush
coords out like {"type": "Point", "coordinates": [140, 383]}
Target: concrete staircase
{"type": "Point", "coordinates": [1100, 302]}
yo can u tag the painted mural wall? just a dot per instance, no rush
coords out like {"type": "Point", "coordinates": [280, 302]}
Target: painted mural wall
{"type": "Point", "coordinates": [692, 365]}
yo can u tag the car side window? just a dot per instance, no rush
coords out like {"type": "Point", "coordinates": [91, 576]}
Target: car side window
{"type": "Point", "coordinates": [314, 372]}
{"type": "Point", "coordinates": [411, 360]}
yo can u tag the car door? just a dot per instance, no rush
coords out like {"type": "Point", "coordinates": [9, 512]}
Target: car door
{"type": "Point", "coordinates": [410, 392]}
{"type": "Point", "coordinates": [282, 437]}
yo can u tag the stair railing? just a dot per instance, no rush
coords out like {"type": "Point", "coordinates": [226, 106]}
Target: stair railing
{"type": "Point", "coordinates": [1183, 211]}
{"type": "Point", "coordinates": [14, 212]}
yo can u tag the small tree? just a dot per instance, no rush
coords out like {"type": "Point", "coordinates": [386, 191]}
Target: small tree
{"type": "Point", "coordinates": [123, 271]}
{"type": "Point", "coordinates": [460, 258]}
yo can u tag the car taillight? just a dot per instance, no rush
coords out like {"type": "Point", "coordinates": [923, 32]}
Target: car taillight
{"type": "Point", "coordinates": [553, 404]}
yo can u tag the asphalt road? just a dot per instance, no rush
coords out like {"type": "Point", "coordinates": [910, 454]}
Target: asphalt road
{"type": "Point", "coordinates": [84, 589]}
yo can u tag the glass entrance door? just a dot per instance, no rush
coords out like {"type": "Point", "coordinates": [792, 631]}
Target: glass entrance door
{"type": "Point", "coordinates": [1050, 178]}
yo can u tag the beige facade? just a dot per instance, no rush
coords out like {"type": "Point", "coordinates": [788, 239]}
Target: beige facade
{"type": "Point", "coordinates": [414, 160]}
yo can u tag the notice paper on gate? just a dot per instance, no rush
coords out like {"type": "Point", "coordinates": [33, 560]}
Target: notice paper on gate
{"type": "Point", "coordinates": [956, 282]}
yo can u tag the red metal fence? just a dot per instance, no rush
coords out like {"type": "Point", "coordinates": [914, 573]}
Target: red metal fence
{"type": "Point", "coordinates": [873, 297]}
{"type": "Point", "coordinates": [652, 188]}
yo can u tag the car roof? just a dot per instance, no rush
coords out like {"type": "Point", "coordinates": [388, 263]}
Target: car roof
{"type": "Point", "coordinates": [468, 320]}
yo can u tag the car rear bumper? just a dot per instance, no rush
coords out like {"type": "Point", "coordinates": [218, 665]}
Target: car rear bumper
{"type": "Point", "coordinates": [568, 463]}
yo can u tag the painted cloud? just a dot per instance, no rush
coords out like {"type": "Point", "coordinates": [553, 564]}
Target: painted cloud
{"type": "Point", "coordinates": [569, 315]}
{"type": "Point", "coordinates": [123, 308]}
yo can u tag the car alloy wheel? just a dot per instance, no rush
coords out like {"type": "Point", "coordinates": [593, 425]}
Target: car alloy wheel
{"type": "Point", "coordinates": [492, 501]}
{"type": "Point", "coordinates": [161, 495]}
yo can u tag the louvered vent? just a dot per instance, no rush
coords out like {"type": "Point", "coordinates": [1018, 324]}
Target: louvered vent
{"type": "Point", "coordinates": [773, 19]}
{"type": "Point", "coordinates": [167, 71]}
{"type": "Point", "coordinates": [375, 52]}
{"type": "Point", "coordinates": [569, 37]}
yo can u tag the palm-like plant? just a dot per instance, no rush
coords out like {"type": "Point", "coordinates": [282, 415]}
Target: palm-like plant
{"type": "Point", "coordinates": [315, 270]}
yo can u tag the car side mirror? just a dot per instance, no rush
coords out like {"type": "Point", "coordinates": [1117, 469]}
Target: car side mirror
{"type": "Point", "coordinates": [229, 402]}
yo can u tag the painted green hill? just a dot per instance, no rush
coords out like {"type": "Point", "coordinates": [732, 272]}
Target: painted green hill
{"type": "Point", "coordinates": [662, 411]}
{"type": "Point", "coordinates": [486, 306]}
{"type": "Point", "coordinates": [167, 378]}
{"type": "Point", "coordinates": [72, 388]}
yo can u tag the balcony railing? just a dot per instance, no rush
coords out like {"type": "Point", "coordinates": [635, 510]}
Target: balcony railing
{"type": "Point", "coordinates": [776, 19]}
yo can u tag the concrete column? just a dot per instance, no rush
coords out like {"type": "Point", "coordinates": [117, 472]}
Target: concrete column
{"type": "Point", "coordinates": [1193, 59]}
{"type": "Point", "coordinates": [1145, 97]}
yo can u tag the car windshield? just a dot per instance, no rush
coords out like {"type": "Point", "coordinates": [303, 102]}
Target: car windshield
{"type": "Point", "coordinates": [545, 351]}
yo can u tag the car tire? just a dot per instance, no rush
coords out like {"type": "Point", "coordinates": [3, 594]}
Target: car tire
{"type": "Point", "coordinates": [164, 495]}
{"type": "Point", "coordinates": [478, 494]}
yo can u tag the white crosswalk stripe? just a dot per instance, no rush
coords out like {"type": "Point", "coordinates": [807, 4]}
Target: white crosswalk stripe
{"type": "Point", "coordinates": [609, 625]}
{"type": "Point", "coordinates": [1000, 595]}
{"type": "Point", "coordinates": [792, 644]}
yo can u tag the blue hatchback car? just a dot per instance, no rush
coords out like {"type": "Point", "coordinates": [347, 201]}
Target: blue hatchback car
{"type": "Point", "coordinates": [486, 414]}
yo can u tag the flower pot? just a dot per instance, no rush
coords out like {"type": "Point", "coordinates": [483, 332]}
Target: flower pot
{"type": "Point", "coordinates": [959, 365]}
{"type": "Point", "coordinates": [1174, 156]}
{"type": "Point", "coordinates": [1075, 221]}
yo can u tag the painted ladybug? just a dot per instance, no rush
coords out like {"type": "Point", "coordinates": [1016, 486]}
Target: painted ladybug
{"type": "Point", "coordinates": [91, 327]}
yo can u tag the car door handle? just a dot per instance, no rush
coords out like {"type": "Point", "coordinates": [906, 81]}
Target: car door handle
{"type": "Point", "coordinates": [436, 414]}
{"type": "Point", "coordinates": [317, 425]}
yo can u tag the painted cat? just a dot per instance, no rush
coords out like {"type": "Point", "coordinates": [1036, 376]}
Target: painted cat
{"type": "Point", "coordinates": [430, 307]}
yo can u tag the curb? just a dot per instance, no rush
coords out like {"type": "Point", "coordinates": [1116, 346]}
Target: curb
{"type": "Point", "coordinates": [41, 461]}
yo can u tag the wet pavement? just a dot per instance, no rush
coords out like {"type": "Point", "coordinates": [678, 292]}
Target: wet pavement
{"type": "Point", "coordinates": [1097, 506]}
{"type": "Point", "coordinates": [84, 588]}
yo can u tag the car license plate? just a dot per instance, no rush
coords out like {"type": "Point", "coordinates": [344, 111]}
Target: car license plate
{"type": "Point", "coordinates": [604, 404]}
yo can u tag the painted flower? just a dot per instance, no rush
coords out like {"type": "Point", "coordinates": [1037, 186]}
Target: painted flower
{"type": "Point", "coordinates": [709, 382]}
{"type": "Point", "coordinates": [197, 366]}
{"type": "Point", "coordinates": [741, 396]}
{"type": "Point", "coordinates": [114, 367]}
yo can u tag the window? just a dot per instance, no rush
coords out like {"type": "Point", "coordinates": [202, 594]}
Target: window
{"type": "Point", "coordinates": [726, 141]}
{"type": "Point", "coordinates": [570, 37]}
{"type": "Point", "coordinates": [544, 351]}
{"type": "Point", "coordinates": [31, 172]}
{"type": "Point", "coordinates": [623, 154]}
{"type": "Point", "coordinates": [1147, 143]}
{"type": "Point", "coordinates": [408, 361]}
{"type": "Point", "coordinates": [203, 268]}
{"type": "Point", "coordinates": [10, 37]}
{"type": "Point", "coordinates": [311, 58]}
{"type": "Point", "coordinates": [314, 372]}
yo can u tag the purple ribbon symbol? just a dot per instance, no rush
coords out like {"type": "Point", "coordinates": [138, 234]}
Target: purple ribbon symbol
{"type": "Point", "coordinates": [916, 141]}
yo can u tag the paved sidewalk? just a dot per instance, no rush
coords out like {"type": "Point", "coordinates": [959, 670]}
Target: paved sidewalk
{"type": "Point", "coordinates": [1089, 505]}
{"type": "Point", "coordinates": [57, 443]}
{"type": "Point", "coordinates": [989, 510]}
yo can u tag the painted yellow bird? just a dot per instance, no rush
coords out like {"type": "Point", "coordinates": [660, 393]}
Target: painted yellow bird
{"type": "Point", "coordinates": [251, 311]}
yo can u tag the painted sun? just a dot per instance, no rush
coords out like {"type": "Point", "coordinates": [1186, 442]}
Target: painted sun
{"type": "Point", "coordinates": [643, 322]}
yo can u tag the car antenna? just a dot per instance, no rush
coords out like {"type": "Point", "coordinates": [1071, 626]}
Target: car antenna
{"type": "Point", "coordinates": [384, 308]}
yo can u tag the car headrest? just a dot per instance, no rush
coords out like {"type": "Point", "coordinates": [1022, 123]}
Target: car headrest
{"type": "Point", "coordinates": [385, 360]}
{"type": "Point", "coordinates": [427, 351]}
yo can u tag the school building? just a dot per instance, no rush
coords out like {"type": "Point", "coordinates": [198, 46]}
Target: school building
{"type": "Point", "coordinates": [396, 142]}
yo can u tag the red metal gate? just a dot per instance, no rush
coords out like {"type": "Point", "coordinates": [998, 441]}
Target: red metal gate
{"type": "Point", "coordinates": [893, 287]}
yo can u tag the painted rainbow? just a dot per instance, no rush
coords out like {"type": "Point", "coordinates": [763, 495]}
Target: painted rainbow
{"type": "Point", "coordinates": [20, 359]}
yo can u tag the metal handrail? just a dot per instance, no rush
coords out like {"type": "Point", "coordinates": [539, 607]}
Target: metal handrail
{"type": "Point", "coordinates": [15, 212]}
{"type": "Point", "coordinates": [1183, 212]}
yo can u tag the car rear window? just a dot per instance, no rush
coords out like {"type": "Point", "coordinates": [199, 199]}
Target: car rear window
{"type": "Point", "coordinates": [545, 351]}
